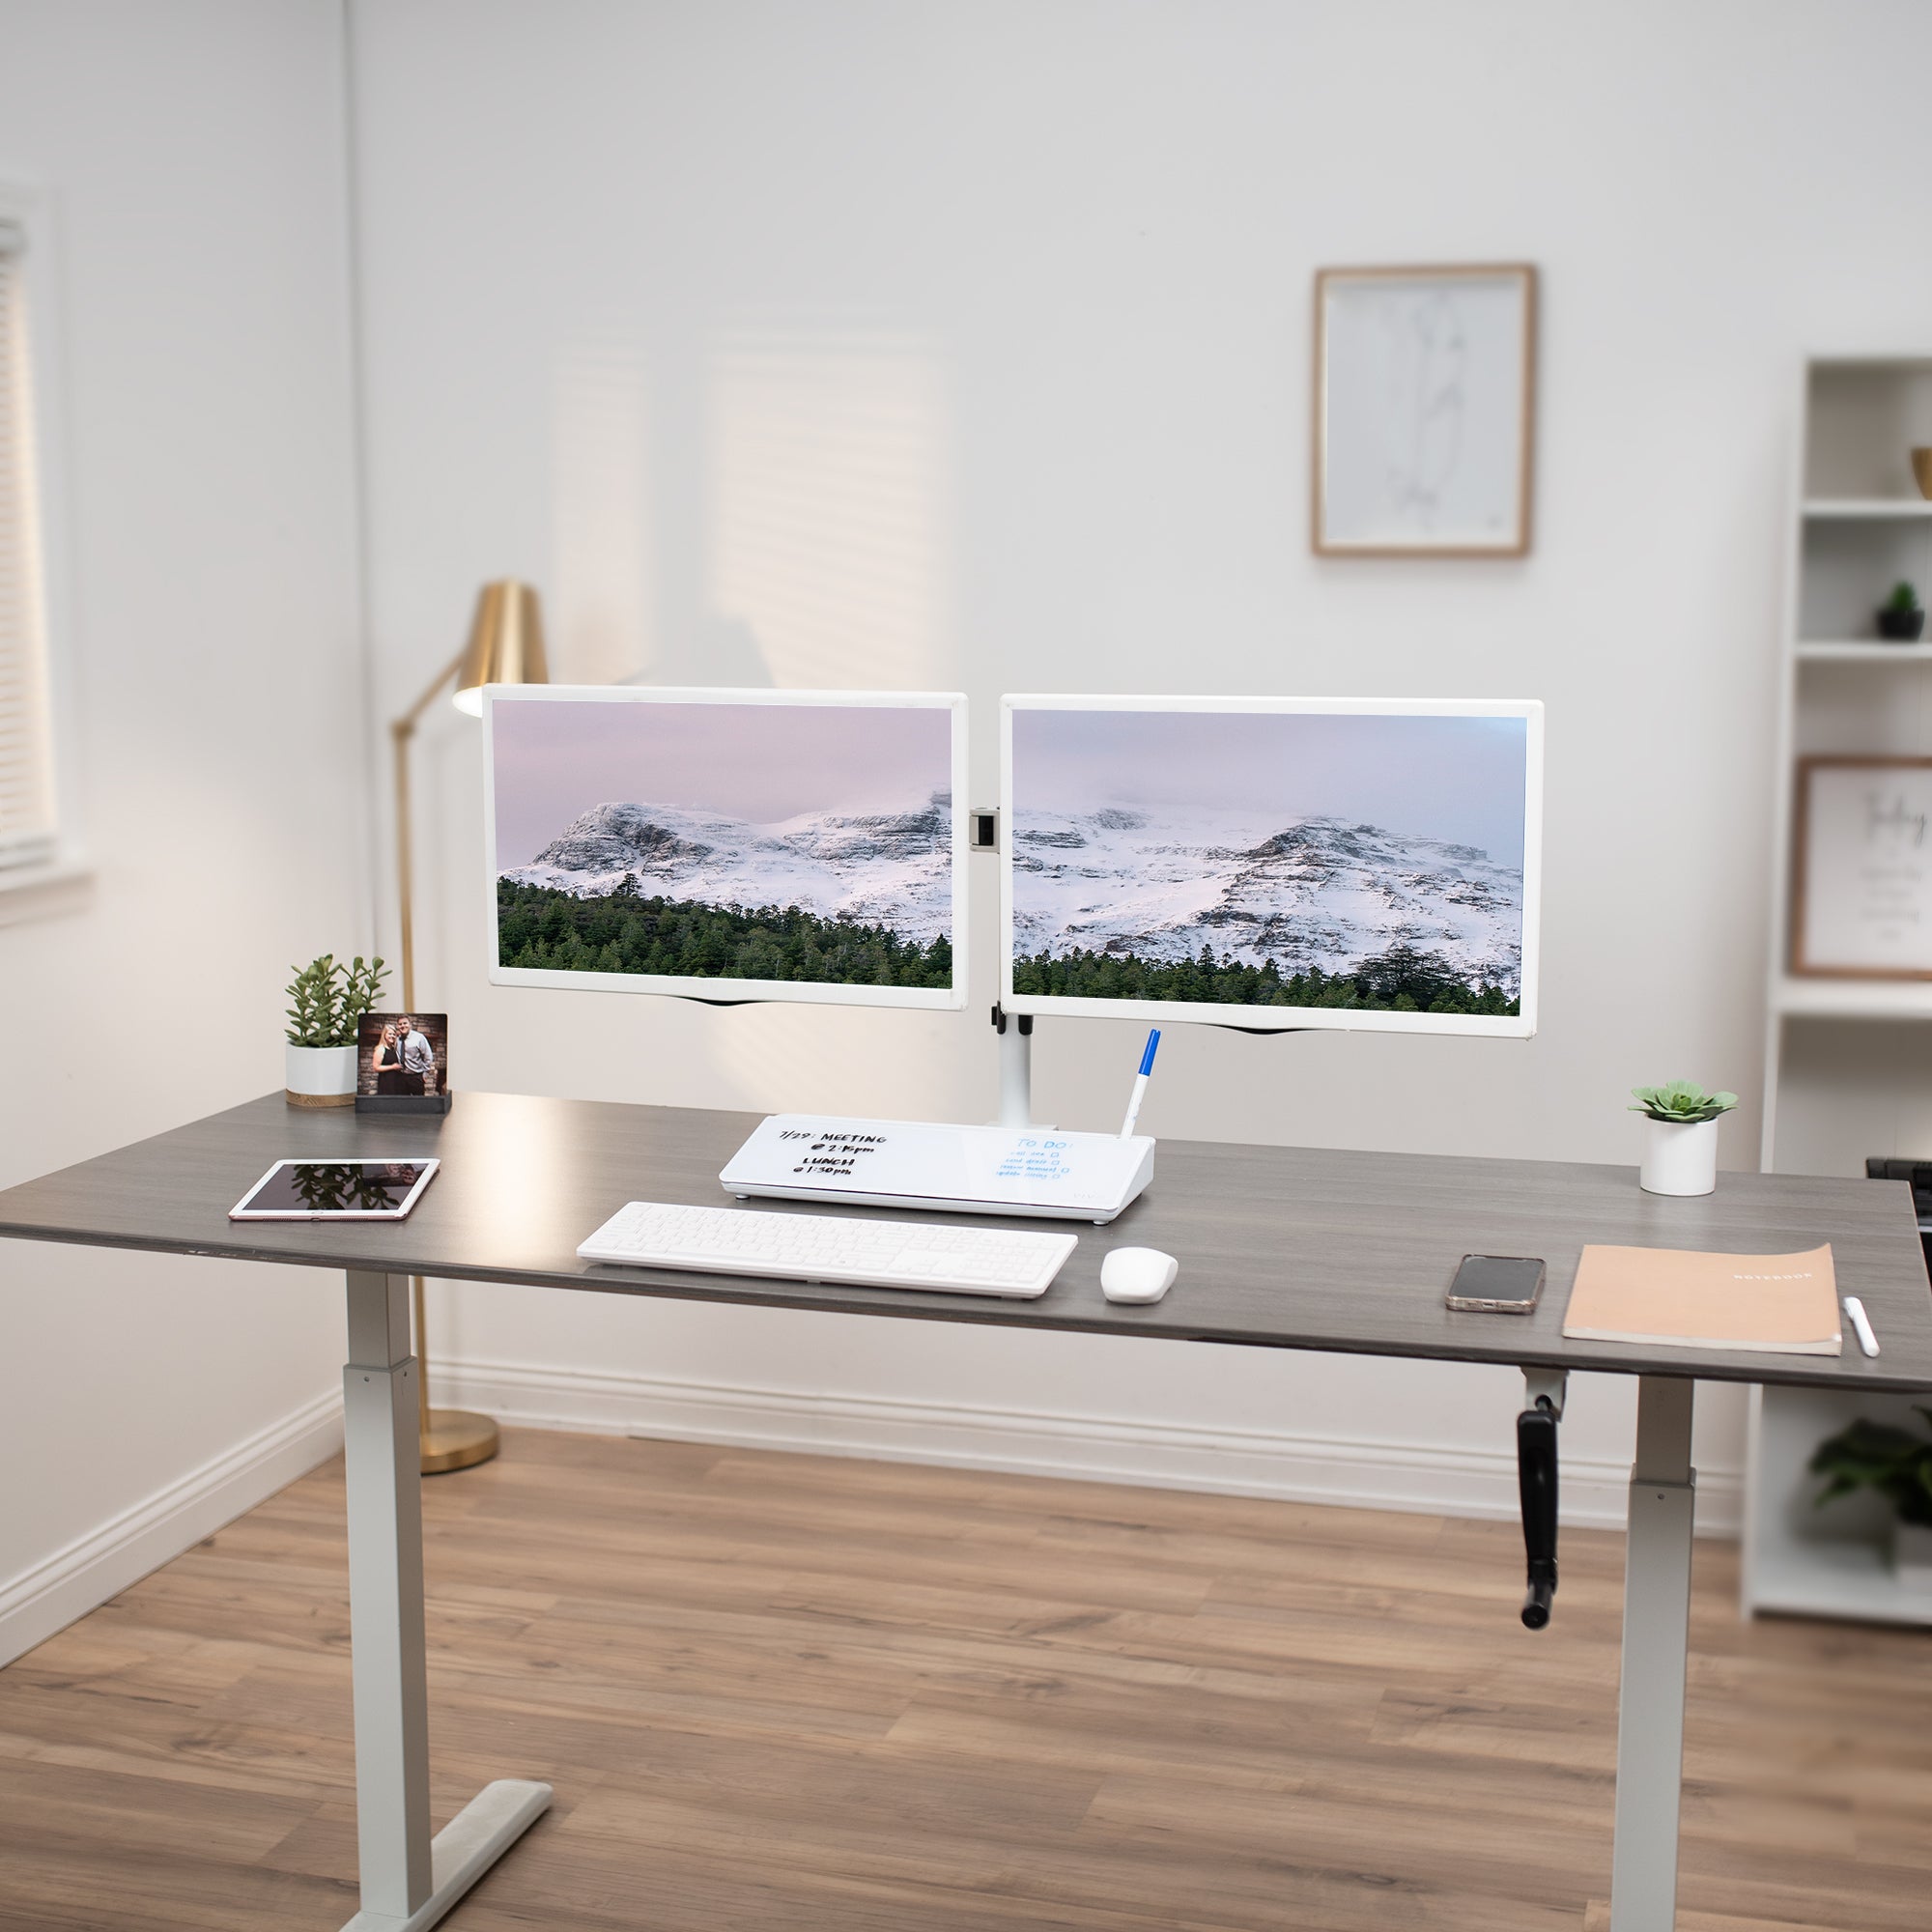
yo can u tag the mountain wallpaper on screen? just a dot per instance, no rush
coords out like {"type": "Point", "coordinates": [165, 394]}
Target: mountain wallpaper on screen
{"type": "Point", "coordinates": [1219, 905]}
{"type": "Point", "coordinates": [855, 899]}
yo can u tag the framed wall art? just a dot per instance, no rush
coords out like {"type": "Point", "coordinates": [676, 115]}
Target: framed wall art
{"type": "Point", "coordinates": [1861, 886]}
{"type": "Point", "coordinates": [1425, 403]}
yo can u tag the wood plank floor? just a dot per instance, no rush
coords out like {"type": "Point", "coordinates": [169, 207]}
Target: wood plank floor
{"type": "Point", "coordinates": [791, 1691]}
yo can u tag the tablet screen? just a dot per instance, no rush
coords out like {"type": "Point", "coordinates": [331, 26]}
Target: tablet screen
{"type": "Point", "coordinates": [305, 1187]}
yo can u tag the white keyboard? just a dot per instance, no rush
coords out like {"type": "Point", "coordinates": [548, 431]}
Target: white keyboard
{"type": "Point", "coordinates": [830, 1247]}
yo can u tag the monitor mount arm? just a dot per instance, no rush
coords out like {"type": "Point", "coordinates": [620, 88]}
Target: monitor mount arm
{"type": "Point", "coordinates": [1536, 1481]}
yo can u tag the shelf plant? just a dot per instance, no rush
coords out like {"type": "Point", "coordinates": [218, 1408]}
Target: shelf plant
{"type": "Point", "coordinates": [1902, 618]}
{"type": "Point", "coordinates": [327, 1002]}
{"type": "Point", "coordinates": [1680, 1148]}
{"type": "Point", "coordinates": [1868, 1454]}
{"type": "Point", "coordinates": [1897, 1464]}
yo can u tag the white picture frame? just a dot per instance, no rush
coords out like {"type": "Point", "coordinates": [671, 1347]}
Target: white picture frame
{"type": "Point", "coordinates": [722, 990]}
{"type": "Point", "coordinates": [1862, 889]}
{"type": "Point", "coordinates": [1424, 411]}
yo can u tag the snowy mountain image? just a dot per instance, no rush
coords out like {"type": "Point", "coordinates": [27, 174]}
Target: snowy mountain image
{"type": "Point", "coordinates": [1270, 853]}
{"type": "Point", "coordinates": [770, 837]}
{"type": "Point", "coordinates": [1311, 892]}
{"type": "Point", "coordinates": [890, 868]}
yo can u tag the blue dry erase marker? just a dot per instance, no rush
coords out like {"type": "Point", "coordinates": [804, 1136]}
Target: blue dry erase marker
{"type": "Point", "coordinates": [1140, 1083]}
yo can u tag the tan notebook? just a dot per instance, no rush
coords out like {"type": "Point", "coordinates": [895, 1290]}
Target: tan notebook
{"type": "Point", "coordinates": [1766, 1305]}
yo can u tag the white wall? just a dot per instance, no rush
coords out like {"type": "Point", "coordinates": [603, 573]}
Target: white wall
{"type": "Point", "coordinates": [192, 156]}
{"type": "Point", "coordinates": [969, 346]}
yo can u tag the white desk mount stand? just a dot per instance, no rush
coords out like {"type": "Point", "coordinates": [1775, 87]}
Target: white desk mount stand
{"type": "Point", "coordinates": [1015, 1032]}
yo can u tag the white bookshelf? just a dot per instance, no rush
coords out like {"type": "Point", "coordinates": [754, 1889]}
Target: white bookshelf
{"type": "Point", "coordinates": [1860, 650]}
{"type": "Point", "coordinates": [1867, 509]}
{"type": "Point", "coordinates": [1803, 1560]}
{"type": "Point", "coordinates": [1794, 998]}
{"type": "Point", "coordinates": [1847, 1063]}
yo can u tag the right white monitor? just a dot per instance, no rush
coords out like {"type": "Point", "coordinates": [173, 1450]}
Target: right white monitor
{"type": "Point", "coordinates": [1281, 863]}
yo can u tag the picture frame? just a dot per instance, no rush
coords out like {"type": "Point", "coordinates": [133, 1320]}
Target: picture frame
{"type": "Point", "coordinates": [402, 1063]}
{"type": "Point", "coordinates": [1424, 411]}
{"type": "Point", "coordinates": [1862, 868]}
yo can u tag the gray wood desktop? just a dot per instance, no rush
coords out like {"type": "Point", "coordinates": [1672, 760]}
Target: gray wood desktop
{"type": "Point", "coordinates": [1290, 1248]}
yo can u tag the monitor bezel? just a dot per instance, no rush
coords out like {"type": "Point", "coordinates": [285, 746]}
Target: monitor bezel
{"type": "Point", "coordinates": [1289, 1019]}
{"type": "Point", "coordinates": [722, 991]}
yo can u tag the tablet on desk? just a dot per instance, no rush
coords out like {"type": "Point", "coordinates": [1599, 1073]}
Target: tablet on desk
{"type": "Point", "coordinates": [335, 1190]}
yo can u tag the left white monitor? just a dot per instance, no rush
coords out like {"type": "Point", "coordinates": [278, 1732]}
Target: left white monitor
{"type": "Point", "coordinates": [798, 846]}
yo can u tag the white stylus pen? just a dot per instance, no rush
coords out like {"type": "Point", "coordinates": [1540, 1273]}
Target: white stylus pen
{"type": "Point", "coordinates": [1856, 1309]}
{"type": "Point", "coordinates": [1140, 1084]}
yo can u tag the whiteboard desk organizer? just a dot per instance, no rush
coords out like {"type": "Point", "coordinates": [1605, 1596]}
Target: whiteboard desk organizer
{"type": "Point", "coordinates": [1057, 1175]}
{"type": "Point", "coordinates": [1279, 1248]}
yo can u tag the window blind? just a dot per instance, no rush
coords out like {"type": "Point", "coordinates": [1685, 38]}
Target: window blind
{"type": "Point", "coordinates": [26, 737]}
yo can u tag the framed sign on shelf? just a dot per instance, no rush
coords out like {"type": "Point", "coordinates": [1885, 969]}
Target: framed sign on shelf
{"type": "Point", "coordinates": [1861, 886]}
{"type": "Point", "coordinates": [1425, 403]}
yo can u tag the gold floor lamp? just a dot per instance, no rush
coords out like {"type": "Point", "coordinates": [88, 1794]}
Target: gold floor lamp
{"type": "Point", "coordinates": [505, 647]}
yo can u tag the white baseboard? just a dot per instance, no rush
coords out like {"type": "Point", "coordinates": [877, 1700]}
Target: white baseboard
{"type": "Point", "coordinates": [106, 1561]}
{"type": "Point", "coordinates": [1438, 1479]}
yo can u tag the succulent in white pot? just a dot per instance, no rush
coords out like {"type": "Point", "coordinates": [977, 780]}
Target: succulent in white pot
{"type": "Point", "coordinates": [319, 1061]}
{"type": "Point", "coordinates": [1680, 1136]}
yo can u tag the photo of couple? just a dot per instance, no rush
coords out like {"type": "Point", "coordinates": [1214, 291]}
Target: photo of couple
{"type": "Point", "coordinates": [403, 1057]}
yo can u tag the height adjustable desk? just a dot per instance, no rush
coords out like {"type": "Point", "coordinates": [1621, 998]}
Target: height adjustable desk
{"type": "Point", "coordinates": [1279, 1248]}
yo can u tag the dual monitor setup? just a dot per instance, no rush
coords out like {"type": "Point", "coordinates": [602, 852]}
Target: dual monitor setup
{"type": "Point", "coordinates": [1270, 864]}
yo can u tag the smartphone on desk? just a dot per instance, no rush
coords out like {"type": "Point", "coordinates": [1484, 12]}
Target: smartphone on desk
{"type": "Point", "coordinates": [1496, 1284]}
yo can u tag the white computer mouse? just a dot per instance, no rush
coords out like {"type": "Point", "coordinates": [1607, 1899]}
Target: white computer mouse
{"type": "Point", "coordinates": [1137, 1275]}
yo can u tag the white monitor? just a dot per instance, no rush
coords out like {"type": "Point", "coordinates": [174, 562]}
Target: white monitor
{"type": "Point", "coordinates": [803, 845]}
{"type": "Point", "coordinates": [1275, 863]}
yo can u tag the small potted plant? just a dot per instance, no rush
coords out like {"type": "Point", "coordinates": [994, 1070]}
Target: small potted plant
{"type": "Point", "coordinates": [1901, 617]}
{"type": "Point", "coordinates": [1897, 1463]}
{"type": "Point", "coordinates": [330, 1002]}
{"type": "Point", "coordinates": [1680, 1136]}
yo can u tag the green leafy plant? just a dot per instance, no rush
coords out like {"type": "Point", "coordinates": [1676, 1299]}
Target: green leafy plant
{"type": "Point", "coordinates": [1681, 1101]}
{"type": "Point", "coordinates": [1878, 1456]}
{"type": "Point", "coordinates": [1903, 597]}
{"type": "Point", "coordinates": [331, 998]}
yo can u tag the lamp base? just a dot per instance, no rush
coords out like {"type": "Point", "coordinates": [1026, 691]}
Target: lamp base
{"type": "Point", "coordinates": [457, 1439]}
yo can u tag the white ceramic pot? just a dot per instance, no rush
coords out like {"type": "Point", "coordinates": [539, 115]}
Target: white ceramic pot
{"type": "Point", "coordinates": [319, 1076]}
{"type": "Point", "coordinates": [1678, 1156]}
{"type": "Point", "coordinates": [1911, 1558]}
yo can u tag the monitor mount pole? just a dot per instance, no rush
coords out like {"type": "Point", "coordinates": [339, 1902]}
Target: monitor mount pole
{"type": "Point", "coordinates": [1015, 1032]}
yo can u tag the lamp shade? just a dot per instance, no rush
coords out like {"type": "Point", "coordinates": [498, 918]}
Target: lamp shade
{"type": "Point", "coordinates": [506, 643]}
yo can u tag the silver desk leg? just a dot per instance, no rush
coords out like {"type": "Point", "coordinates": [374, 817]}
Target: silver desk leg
{"type": "Point", "coordinates": [1657, 1642]}
{"type": "Point", "coordinates": [409, 1880]}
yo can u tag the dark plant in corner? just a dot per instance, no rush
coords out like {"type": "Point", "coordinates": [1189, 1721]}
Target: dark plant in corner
{"type": "Point", "coordinates": [1900, 618]}
{"type": "Point", "coordinates": [331, 998]}
{"type": "Point", "coordinates": [1878, 1456]}
{"type": "Point", "coordinates": [1681, 1101]}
